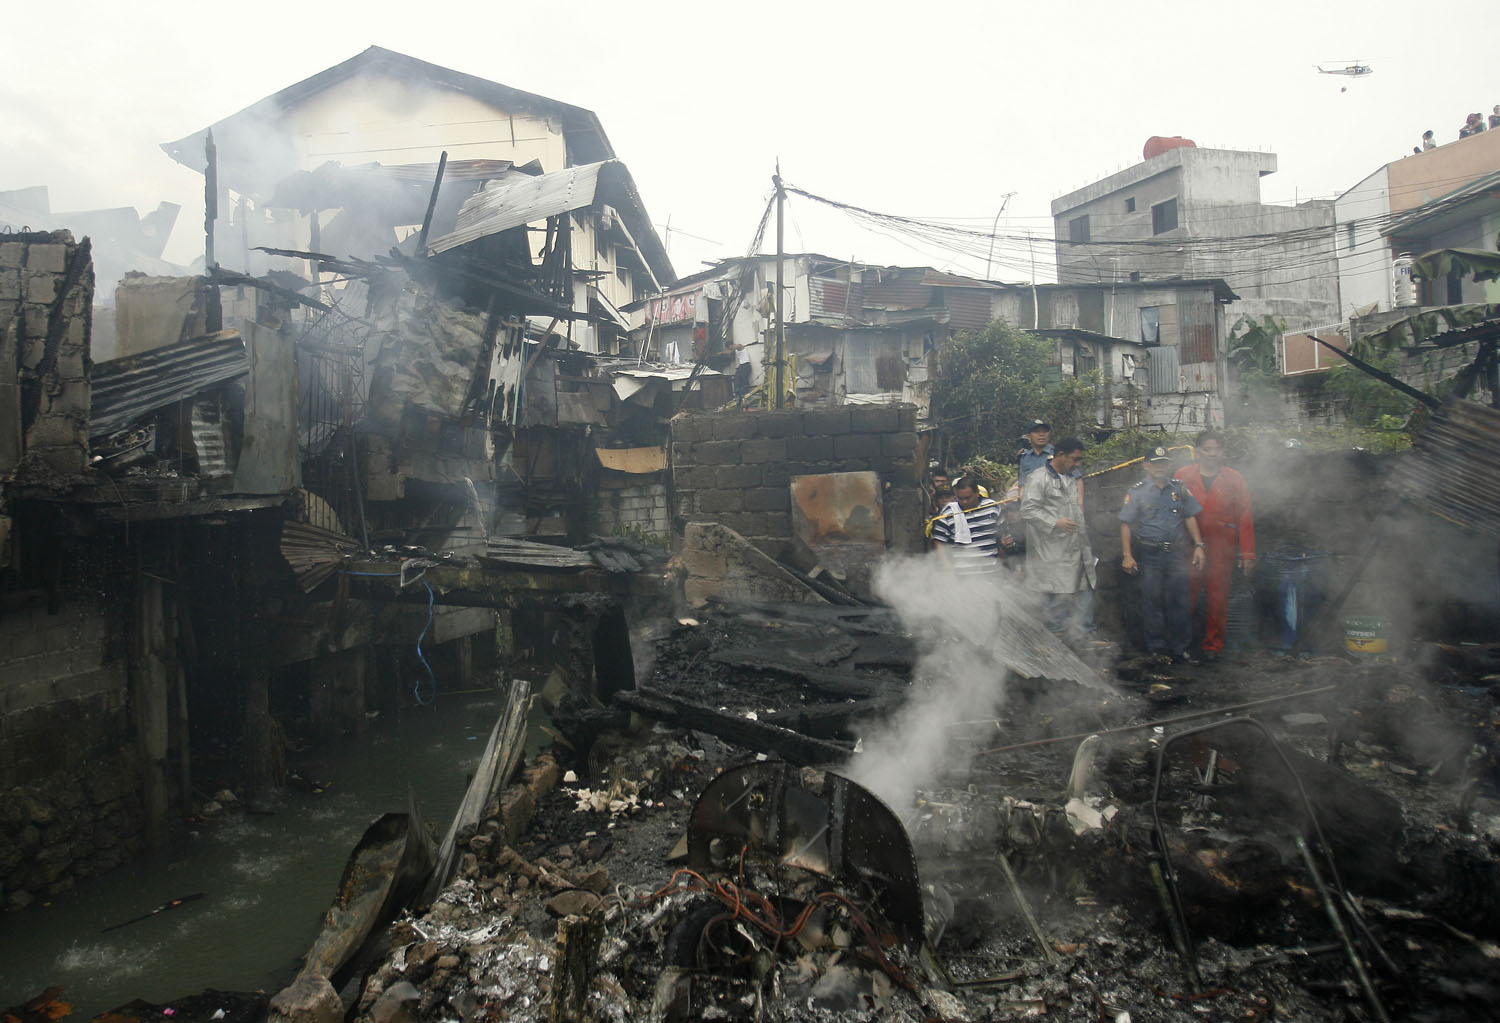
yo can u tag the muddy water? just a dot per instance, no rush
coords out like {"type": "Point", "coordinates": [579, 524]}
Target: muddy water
{"type": "Point", "coordinates": [266, 879]}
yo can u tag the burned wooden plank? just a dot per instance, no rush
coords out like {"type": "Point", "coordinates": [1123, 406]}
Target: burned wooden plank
{"type": "Point", "coordinates": [834, 683]}
{"type": "Point", "coordinates": [830, 720]}
{"type": "Point", "coordinates": [741, 731]}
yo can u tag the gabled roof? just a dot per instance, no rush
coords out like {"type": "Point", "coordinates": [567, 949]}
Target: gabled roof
{"type": "Point", "coordinates": [241, 133]}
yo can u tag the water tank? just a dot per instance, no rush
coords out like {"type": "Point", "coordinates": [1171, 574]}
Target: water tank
{"type": "Point", "coordinates": [1158, 144]}
{"type": "Point", "coordinates": [1403, 288]}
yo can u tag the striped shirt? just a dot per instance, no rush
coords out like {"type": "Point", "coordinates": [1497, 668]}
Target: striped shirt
{"type": "Point", "coordinates": [981, 554]}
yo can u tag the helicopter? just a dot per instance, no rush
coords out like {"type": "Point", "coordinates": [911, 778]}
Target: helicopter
{"type": "Point", "coordinates": [1354, 70]}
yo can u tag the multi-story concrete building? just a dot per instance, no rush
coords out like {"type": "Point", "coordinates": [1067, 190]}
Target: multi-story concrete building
{"type": "Point", "coordinates": [1191, 213]}
{"type": "Point", "coordinates": [1442, 198]}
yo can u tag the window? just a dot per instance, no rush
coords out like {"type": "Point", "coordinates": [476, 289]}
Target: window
{"type": "Point", "coordinates": [1135, 275]}
{"type": "Point", "coordinates": [1150, 325]}
{"type": "Point", "coordinates": [1164, 216]}
{"type": "Point", "coordinates": [1351, 235]}
{"type": "Point", "coordinates": [1078, 229]}
{"type": "Point", "coordinates": [1130, 205]}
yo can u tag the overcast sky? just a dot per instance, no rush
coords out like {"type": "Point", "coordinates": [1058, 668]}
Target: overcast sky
{"type": "Point", "coordinates": [928, 110]}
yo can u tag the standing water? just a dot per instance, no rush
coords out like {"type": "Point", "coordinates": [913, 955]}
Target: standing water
{"type": "Point", "coordinates": [266, 879]}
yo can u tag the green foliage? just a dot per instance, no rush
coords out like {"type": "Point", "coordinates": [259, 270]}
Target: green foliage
{"type": "Point", "coordinates": [1252, 359]}
{"type": "Point", "coordinates": [990, 384]}
{"type": "Point", "coordinates": [1370, 401]}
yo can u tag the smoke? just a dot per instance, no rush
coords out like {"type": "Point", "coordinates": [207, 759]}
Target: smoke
{"type": "Point", "coordinates": [959, 675]}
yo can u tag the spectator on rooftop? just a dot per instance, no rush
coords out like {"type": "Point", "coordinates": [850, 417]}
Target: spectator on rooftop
{"type": "Point", "coordinates": [1427, 141]}
{"type": "Point", "coordinates": [1495, 116]}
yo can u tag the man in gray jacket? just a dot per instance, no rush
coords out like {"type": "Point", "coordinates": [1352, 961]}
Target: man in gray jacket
{"type": "Point", "coordinates": [1059, 557]}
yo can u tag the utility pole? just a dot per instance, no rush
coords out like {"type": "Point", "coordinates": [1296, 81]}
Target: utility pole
{"type": "Point", "coordinates": [780, 263]}
{"type": "Point", "coordinates": [1004, 202]}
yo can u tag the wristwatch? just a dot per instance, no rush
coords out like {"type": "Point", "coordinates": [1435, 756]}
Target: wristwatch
{"type": "Point", "coordinates": [1200, 545]}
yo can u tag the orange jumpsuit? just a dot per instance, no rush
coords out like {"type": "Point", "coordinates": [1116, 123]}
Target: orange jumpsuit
{"type": "Point", "coordinates": [1228, 533]}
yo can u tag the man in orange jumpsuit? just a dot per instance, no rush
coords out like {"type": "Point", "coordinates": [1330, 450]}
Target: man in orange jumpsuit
{"type": "Point", "coordinates": [1228, 530]}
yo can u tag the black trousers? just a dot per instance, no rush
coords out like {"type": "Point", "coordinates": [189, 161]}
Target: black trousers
{"type": "Point", "coordinates": [1164, 598]}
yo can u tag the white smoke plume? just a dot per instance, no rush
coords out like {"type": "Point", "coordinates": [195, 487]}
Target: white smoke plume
{"type": "Point", "coordinates": [959, 675]}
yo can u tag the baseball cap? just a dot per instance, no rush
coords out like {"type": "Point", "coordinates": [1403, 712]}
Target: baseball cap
{"type": "Point", "coordinates": [1158, 455]}
{"type": "Point", "coordinates": [1037, 424]}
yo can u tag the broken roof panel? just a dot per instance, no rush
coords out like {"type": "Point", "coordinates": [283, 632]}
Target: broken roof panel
{"type": "Point", "coordinates": [126, 390]}
{"type": "Point", "coordinates": [1462, 442]}
{"type": "Point", "coordinates": [520, 200]}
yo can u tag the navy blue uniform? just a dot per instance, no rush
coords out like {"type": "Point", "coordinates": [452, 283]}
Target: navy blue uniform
{"type": "Point", "coordinates": [1157, 516]}
{"type": "Point", "coordinates": [1028, 461]}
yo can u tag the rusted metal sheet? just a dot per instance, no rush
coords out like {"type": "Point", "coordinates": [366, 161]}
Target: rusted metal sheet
{"type": "Point", "coordinates": [968, 308]}
{"type": "Point", "coordinates": [1454, 468]}
{"type": "Point", "coordinates": [125, 390]}
{"type": "Point", "coordinates": [897, 293]}
{"type": "Point", "coordinates": [837, 508]}
{"type": "Point", "coordinates": [832, 298]}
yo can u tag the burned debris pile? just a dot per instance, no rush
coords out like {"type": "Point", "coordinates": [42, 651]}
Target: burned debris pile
{"type": "Point", "coordinates": [1298, 864]}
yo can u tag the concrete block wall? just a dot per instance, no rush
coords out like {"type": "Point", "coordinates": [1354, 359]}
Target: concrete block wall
{"type": "Point", "coordinates": [628, 506]}
{"type": "Point", "coordinates": [735, 468]}
{"type": "Point", "coordinates": [46, 305]}
{"type": "Point", "coordinates": [69, 790]}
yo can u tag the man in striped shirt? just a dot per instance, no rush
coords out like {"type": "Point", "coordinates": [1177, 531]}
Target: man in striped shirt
{"type": "Point", "coordinates": [967, 531]}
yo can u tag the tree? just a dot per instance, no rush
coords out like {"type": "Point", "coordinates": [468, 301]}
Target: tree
{"type": "Point", "coordinates": [1252, 357]}
{"type": "Point", "coordinates": [989, 385]}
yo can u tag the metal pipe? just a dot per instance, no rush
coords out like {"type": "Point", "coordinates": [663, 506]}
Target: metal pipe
{"type": "Point", "coordinates": [1233, 708]}
{"type": "Point", "coordinates": [1031, 924]}
{"type": "Point", "coordinates": [1355, 962]}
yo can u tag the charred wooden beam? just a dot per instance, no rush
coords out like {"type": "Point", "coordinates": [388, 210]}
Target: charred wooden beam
{"type": "Point", "coordinates": [834, 683]}
{"type": "Point", "coordinates": [752, 735]}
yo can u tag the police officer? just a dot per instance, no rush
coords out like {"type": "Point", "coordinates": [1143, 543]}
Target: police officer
{"type": "Point", "coordinates": [1035, 452]}
{"type": "Point", "coordinates": [1158, 521]}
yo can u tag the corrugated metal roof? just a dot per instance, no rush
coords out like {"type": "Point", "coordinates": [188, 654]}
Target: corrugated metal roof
{"type": "Point", "coordinates": [125, 390]}
{"type": "Point", "coordinates": [519, 200]}
{"type": "Point", "coordinates": [902, 292]}
{"type": "Point", "coordinates": [968, 308]}
{"type": "Point", "coordinates": [829, 297]}
{"type": "Point", "coordinates": [1454, 468]}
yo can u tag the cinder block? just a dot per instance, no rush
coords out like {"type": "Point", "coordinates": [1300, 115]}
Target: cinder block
{"type": "Point", "coordinates": [776, 475]}
{"type": "Point", "coordinates": [689, 428]}
{"type": "Point", "coordinates": [907, 419]}
{"type": "Point", "coordinates": [722, 452]}
{"type": "Point", "coordinates": [780, 424]}
{"type": "Point", "coordinates": [874, 420]}
{"type": "Point", "coordinates": [10, 284]}
{"type": "Point", "coordinates": [714, 501]}
{"type": "Point", "coordinates": [737, 477]}
{"type": "Point", "coordinates": [856, 446]}
{"type": "Point", "coordinates": [768, 449]}
{"type": "Point", "coordinates": [683, 454]}
{"type": "Point", "coordinates": [826, 421]}
{"type": "Point", "coordinates": [734, 426]}
{"type": "Point", "coordinates": [898, 444]}
{"type": "Point", "coordinates": [40, 288]}
{"type": "Point", "coordinates": [12, 254]}
{"type": "Point", "coordinates": [779, 527]}
{"type": "Point", "coordinates": [747, 524]}
{"type": "Point", "coordinates": [769, 499]}
{"type": "Point", "coordinates": [808, 450]}
{"type": "Point", "coordinates": [52, 259]}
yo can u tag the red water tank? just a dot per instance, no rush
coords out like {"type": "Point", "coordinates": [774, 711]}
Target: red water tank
{"type": "Point", "coordinates": [1157, 145]}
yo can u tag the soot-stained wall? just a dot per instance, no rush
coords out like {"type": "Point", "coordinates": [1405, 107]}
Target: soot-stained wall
{"type": "Point", "coordinates": [735, 468]}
